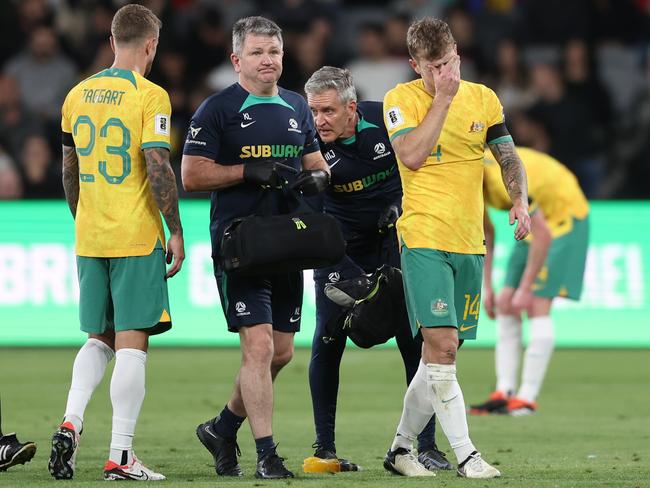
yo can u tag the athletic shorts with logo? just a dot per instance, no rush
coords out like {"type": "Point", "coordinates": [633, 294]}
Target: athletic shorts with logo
{"type": "Point", "coordinates": [563, 271]}
{"type": "Point", "coordinates": [251, 300]}
{"type": "Point", "coordinates": [442, 289]}
{"type": "Point", "coordinates": [121, 294]}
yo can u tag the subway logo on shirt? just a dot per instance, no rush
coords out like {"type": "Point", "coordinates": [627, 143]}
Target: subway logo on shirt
{"type": "Point", "coordinates": [271, 151]}
{"type": "Point", "coordinates": [365, 182]}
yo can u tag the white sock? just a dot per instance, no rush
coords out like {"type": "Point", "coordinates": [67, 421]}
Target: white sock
{"type": "Point", "coordinates": [417, 411]}
{"type": "Point", "coordinates": [538, 354]}
{"type": "Point", "coordinates": [87, 372]}
{"type": "Point", "coordinates": [507, 352]}
{"type": "Point", "coordinates": [449, 404]}
{"type": "Point", "coordinates": [127, 395]}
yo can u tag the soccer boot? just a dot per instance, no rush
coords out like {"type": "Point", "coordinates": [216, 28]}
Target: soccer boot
{"type": "Point", "coordinates": [64, 452]}
{"type": "Point", "coordinates": [434, 459]}
{"type": "Point", "coordinates": [496, 404]}
{"type": "Point", "coordinates": [475, 467]}
{"type": "Point", "coordinates": [13, 452]}
{"type": "Point", "coordinates": [403, 462]}
{"type": "Point", "coordinates": [136, 471]}
{"type": "Point", "coordinates": [271, 467]}
{"type": "Point", "coordinates": [224, 450]}
{"type": "Point", "coordinates": [518, 407]}
{"type": "Point", "coordinates": [347, 293]}
{"type": "Point", "coordinates": [326, 461]}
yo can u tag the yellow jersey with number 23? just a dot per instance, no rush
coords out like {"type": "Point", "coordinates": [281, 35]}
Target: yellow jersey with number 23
{"type": "Point", "coordinates": [443, 199]}
{"type": "Point", "coordinates": [113, 116]}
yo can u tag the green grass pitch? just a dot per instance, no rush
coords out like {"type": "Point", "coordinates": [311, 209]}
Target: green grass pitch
{"type": "Point", "coordinates": [593, 427]}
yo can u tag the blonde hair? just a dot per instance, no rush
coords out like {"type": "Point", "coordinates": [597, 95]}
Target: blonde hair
{"type": "Point", "coordinates": [429, 38]}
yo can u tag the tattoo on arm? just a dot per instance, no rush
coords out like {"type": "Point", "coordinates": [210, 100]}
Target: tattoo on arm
{"type": "Point", "coordinates": [512, 170]}
{"type": "Point", "coordinates": [163, 186]}
{"type": "Point", "coordinates": [71, 178]}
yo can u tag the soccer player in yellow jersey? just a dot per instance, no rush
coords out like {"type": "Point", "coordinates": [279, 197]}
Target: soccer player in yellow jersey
{"type": "Point", "coordinates": [438, 126]}
{"type": "Point", "coordinates": [117, 180]}
{"type": "Point", "coordinates": [550, 263]}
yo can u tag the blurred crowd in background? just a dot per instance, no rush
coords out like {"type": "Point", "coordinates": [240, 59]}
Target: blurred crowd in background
{"type": "Point", "coordinates": [573, 75]}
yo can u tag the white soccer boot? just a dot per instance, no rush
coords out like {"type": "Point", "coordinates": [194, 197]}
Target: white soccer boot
{"type": "Point", "coordinates": [475, 467]}
{"type": "Point", "coordinates": [403, 462]}
{"type": "Point", "coordinates": [136, 471]}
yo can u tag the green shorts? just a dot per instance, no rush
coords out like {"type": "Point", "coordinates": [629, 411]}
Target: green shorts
{"type": "Point", "coordinates": [563, 271]}
{"type": "Point", "coordinates": [124, 293]}
{"type": "Point", "coordinates": [442, 289]}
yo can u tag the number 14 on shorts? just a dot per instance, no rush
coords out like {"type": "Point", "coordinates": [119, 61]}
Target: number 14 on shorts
{"type": "Point", "coordinates": [472, 305]}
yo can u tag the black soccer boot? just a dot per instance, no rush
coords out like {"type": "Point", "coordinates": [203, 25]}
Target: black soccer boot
{"type": "Point", "coordinates": [323, 452]}
{"type": "Point", "coordinates": [434, 459]}
{"type": "Point", "coordinates": [224, 450]}
{"type": "Point", "coordinates": [13, 452]}
{"type": "Point", "coordinates": [344, 464]}
{"type": "Point", "coordinates": [62, 462]}
{"type": "Point", "coordinates": [496, 404]}
{"type": "Point", "coordinates": [271, 467]}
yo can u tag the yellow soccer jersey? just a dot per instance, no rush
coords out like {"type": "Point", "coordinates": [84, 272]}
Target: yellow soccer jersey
{"type": "Point", "coordinates": [113, 116]}
{"type": "Point", "coordinates": [443, 199]}
{"type": "Point", "coordinates": [551, 187]}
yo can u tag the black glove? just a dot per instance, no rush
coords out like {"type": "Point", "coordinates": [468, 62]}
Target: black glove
{"type": "Point", "coordinates": [266, 173]}
{"type": "Point", "coordinates": [387, 218]}
{"type": "Point", "coordinates": [311, 181]}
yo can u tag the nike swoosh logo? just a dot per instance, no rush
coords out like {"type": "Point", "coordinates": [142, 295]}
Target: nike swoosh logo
{"type": "Point", "coordinates": [447, 401]}
{"type": "Point", "coordinates": [294, 319]}
{"type": "Point", "coordinates": [335, 163]}
{"type": "Point", "coordinates": [243, 126]}
{"type": "Point", "coordinates": [141, 476]}
{"type": "Point", "coordinates": [209, 431]}
{"type": "Point", "coordinates": [463, 328]}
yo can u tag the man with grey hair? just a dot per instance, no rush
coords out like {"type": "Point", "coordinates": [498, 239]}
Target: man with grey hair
{"type": "Point", "coordinates": [365, 198]}
{"type": "Point", "coordinates": [238, 147]}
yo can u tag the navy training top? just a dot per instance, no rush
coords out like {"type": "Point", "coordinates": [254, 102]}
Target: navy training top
{"type": "Point", "coordinates": [234, 127]}
{"type": "Point", "coordinates": [365, 179]}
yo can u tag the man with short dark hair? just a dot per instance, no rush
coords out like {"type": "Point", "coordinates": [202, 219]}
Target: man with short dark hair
{"type": "Point", "coordinates": [238, 147]}
{"type": "Point", "coordinates": [365, 198]}
{"type": "Point", "coordinates": [118, 180]}
{"type": "Point", "coordinates": [438, 126]}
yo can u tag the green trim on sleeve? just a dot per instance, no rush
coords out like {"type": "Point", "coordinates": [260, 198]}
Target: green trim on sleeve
{"type": "Point", "coordinates": [501, 139]}
{"type": "Point", "coordinates": [400, 132]}
{"type": "Point", "coordinates": [163, 144]}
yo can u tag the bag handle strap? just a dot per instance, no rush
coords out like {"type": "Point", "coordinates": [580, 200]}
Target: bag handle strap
{"type": "Point", "coordinates": [295, 200]}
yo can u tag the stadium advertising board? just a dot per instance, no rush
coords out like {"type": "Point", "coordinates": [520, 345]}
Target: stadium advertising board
{"type": "Point", "coordinates": [39, 290]}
